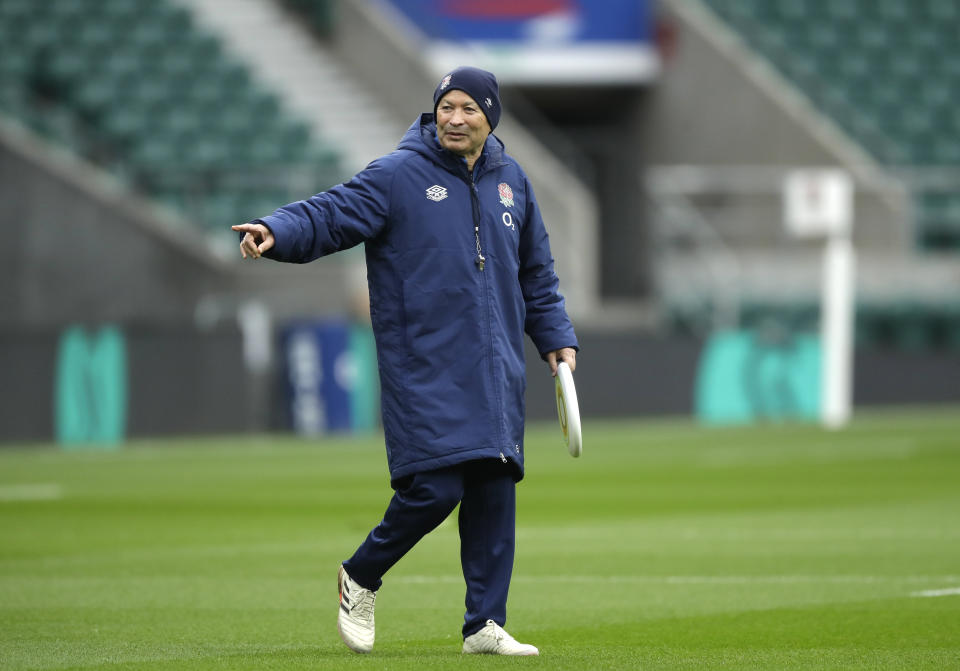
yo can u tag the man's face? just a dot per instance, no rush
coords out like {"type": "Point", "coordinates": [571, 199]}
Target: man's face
{"type": "Point", "coordinates": [461, 125]}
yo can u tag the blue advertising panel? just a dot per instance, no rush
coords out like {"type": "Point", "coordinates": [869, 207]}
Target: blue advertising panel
{"type": "Point", "coordinates": [539, 41]}
{"type": "Point", "coordinates": [330, 377]}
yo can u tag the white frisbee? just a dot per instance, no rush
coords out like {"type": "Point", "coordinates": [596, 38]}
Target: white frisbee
{"type": "Point", "coordinates": [568, 409]}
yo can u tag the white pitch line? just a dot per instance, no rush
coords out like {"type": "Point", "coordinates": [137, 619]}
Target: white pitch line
{"type": "Point", "coordinates": [949, 591]}
{"type": "Point", "coordinates": [702, 579]}
{"type": "Point", "coordinates": [39, 492]}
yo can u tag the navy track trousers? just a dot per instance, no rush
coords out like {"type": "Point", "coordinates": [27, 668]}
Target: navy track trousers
{"type": "Point", "coordinates": [486, 492]}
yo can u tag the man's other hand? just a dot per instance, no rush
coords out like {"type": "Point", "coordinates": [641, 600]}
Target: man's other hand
{"type": "Point", "coordinates": [257, 239]}
{"type": "Point", "coordinates": [567, 354]}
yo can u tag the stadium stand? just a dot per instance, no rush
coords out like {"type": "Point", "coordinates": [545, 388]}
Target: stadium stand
{"type": "Point", "coordinates": [887, 71]}
{"type": "Point", "coordinates": [139, 89]}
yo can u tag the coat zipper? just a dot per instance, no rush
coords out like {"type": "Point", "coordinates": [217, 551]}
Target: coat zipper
{"type": "Point", "coordinates": [480, 262]}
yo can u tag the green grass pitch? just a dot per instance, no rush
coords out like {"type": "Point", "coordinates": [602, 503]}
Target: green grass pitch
{"type": "Point", "coordinates": [666, 546]}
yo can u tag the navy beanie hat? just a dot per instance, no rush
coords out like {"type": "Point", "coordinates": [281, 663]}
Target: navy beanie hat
{"type": "Point", "coordinates": [478, 84]}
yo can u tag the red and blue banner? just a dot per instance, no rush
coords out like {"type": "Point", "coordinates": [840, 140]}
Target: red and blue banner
{"type": "Point", "coordinates": [539, 41]}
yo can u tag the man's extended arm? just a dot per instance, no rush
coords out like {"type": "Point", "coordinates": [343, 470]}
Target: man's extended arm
{"type": "Point", "coordinates": [328, 222]}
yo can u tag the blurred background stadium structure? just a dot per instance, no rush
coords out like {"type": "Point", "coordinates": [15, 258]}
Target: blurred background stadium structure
{"type": "Point", "coordinates": [133, 133]}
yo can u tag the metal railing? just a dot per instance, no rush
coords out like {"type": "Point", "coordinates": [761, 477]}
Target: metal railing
{"type": "Point", "coordinates": [720, 239]}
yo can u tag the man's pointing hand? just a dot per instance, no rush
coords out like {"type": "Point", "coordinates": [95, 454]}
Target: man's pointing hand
{"type": "Point", "coordinates": [257, 240]}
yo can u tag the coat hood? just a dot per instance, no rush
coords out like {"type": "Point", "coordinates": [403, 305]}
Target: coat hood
{"type": "Point", "coordinates": [421, 137]}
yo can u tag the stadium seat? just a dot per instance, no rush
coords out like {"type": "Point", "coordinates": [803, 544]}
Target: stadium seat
{"type": "Point", "coordinates": [118, 13]}
{"type": "Point", "coordinates": [841, 12]}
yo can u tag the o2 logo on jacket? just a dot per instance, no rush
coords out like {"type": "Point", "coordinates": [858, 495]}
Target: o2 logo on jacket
{"type": "Point", "coordinates": [436, 193]}
{"type": "Point", "coordinates": [506, 194]}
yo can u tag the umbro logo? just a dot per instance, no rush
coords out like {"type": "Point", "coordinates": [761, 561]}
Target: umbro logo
{"type": "Point", "coordinates": [436, 193]}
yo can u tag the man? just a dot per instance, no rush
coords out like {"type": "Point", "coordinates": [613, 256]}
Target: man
{"type": "Point", "coordinates": [459, 266]}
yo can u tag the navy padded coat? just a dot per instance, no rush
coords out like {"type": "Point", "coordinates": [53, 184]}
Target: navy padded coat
{"type": "Point", "coordinates": [449, 334]}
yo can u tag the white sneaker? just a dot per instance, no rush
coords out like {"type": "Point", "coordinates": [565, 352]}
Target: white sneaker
{"type": "Point", "coordinates": [355, 618]}
{"type": "Point", "coordinates": [493, 640]}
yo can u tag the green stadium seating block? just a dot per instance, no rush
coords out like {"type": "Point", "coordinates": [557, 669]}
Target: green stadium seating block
{"type": "Point", "coordinates": [13, 99]}
{"type": "Point", "coordinates": [118, 13]}
{"type": "Point", "coordinates": [888, 71]}
{"type": "Point", "coordinates": [840, 12]}
{"type": "Point", "coordinates": [943, 11]}
{"type": "Point", "coordinates": [137, 87]}
{"type": "Point", "coordinates": [15, 12]}
{"type": "Point", "coordinates": [894, 10]}
{"type": "Point", "coordinates": [153, 152]}
{"type": "Point", "coordinates": [16, 66]}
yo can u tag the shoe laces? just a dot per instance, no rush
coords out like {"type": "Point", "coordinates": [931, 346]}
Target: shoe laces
{"type": "Point", "coordinates": [363, 604]}
{"type": "Point", "coordinates": [500, 634]}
